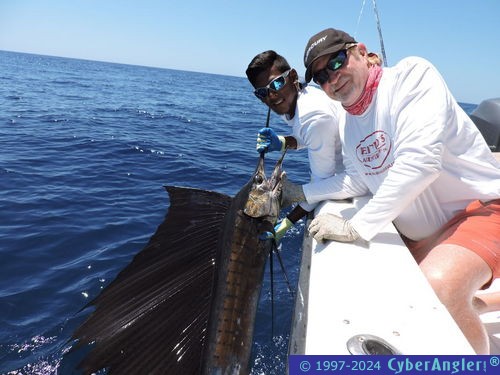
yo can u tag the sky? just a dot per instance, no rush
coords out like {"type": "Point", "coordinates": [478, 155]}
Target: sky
{"type": "Point", "coordinates": [461, 38]}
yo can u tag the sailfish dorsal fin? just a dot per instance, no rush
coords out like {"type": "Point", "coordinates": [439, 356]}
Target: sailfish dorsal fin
{"type": "Point", "coordinates": [152, 318]}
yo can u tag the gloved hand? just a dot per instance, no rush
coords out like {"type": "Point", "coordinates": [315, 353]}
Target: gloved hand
{"type": "Point", "coordinates": [291, 193]}
{"type": "Point", "coordinates": [268, 140]}
{"type": "Point", "coordinates": [332, 227]}
{"type": "Point", "coordinates": [279, 230]}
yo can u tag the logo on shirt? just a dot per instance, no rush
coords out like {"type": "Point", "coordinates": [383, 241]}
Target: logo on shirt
{"type": "Point", "coordinates": [373, 151]}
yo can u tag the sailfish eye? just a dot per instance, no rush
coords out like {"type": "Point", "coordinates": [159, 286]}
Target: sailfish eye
{"type": "Point", "coordinates": [258, 179]}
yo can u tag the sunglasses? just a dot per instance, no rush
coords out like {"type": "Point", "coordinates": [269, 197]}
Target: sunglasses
{"type": "Point", "coordinates": [276, 85]}
{"type": "Point", "coordinates": [335, 63]}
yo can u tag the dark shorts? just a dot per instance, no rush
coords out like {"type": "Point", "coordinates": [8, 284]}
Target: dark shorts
{"type": "Point", "coordinates": [476, 228]}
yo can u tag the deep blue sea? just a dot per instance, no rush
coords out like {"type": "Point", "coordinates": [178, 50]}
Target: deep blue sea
{"type": "Point", "coordinates": [85, 150]}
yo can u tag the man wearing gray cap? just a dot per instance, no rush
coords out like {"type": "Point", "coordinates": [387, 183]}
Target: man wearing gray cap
{"type": "Point", "coordinates": [407, 142]}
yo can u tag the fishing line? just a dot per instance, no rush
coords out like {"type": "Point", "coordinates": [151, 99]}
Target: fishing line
{"type": "Point", "coordinates": [379, 29]}
{"type": "Point", "coordinates": [267, 125]}
{"type": "Point", "coordinates": [271, 270]}
{"type": "Point", "coordinates": [274, 250]}
{"type": "Point", "coordinates": [282, 266]}
{"type": "Point", "coordinates": [359, 20]}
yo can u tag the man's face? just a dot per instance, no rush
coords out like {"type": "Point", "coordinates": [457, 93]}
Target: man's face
{"type": "Point", "coordinates": [347, 83]}
{"type": "Point", "coordinates": [281, 101]}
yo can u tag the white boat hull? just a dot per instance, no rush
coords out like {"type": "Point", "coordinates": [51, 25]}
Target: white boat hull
{"type": "Point", "coordinates": [350, 289]}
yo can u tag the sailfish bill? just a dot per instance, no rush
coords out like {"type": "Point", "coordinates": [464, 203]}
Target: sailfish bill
{"type": "Point", "coordinates": [186, 304]}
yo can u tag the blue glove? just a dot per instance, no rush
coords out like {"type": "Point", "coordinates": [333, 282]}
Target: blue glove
{"type": "Point", "coordinates": [268, 140]}
{"type": "Point", "coordinates": [279, 230]}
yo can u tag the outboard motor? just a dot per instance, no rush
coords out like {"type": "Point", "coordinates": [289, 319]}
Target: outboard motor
{"type": "Point", "coordinates": [487, 119]}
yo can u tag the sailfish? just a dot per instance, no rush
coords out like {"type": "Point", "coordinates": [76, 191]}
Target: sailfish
{"type": "Point", "coordinates": [186, 303]}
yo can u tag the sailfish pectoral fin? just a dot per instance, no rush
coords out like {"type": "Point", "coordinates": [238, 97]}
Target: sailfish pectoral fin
{"type": "Point", "coordinates": [153, 317]}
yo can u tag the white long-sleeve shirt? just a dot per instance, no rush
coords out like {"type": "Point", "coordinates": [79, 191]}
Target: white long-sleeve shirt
{"type": "Point", "coordinates": [315, 127]}
{"type": "Point", "coordinates": [416, 151]}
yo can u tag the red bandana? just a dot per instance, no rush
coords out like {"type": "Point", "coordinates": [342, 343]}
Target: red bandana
{"type": "Point", "coordinates": [359, 107]}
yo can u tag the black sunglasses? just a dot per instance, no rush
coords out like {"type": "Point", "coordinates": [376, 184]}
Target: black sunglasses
{"type": "Point", "coordinates": [276, 85]}
{"type": "Point", "coordinates": [334, 63]}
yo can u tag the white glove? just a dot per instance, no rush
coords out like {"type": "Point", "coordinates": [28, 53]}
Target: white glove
{"type": "Point", "coordinates": [332, 227]}
{"type": "Point", "coordinates": [291, 193]}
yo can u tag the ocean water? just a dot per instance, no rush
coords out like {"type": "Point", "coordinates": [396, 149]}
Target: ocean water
{"type": "Point", "coordinates": [86, 148]}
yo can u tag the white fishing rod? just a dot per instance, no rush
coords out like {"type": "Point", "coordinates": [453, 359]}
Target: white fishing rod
{"type": "Point", "coordinates": [377, 18]}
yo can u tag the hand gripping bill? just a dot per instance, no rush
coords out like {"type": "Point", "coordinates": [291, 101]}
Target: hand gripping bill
{"type": "Point", "coordinates": [268, 140]}
{"type": "Point", "coordinates": [281, 228]}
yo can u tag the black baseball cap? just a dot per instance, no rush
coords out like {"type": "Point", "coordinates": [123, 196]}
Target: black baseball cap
{"type": "Point", "coordinates": [325, 42]}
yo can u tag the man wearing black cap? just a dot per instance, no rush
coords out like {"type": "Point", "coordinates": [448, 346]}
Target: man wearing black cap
{"type": "Point", "coordinates": [407, 142]}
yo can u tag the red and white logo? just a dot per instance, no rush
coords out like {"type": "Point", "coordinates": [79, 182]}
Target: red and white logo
{"type": "Point", "coordinates": [373, 151]}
